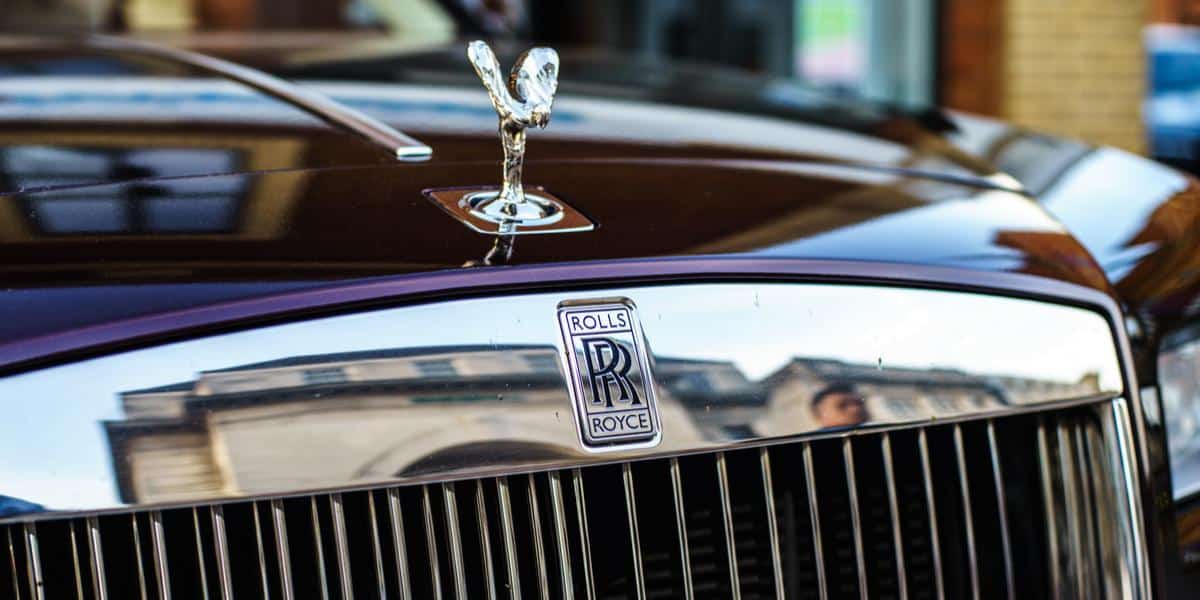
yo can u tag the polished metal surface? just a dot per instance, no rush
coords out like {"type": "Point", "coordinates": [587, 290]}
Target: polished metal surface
{"type": "Point", "coordinates": [262, 551]}
{"type": "Point", "coordinates": [376, 548]}
{"type": "Point", "coordinates": [426, 392]}
{"type": "Point", "coordinates": [1053, 515]}
{"type": "Point", "coordinates": [318, 551]}
{"type": "Point", "coordinates": [524, 101]}
{"type": "Point", "coordinates": [316, 104]}
{"type": "Point", "coordinates": [162, 575]}
{"type": "Point", "coordinates": [341, 546]}
{"type": "Point", "coordinates": [33, 562]}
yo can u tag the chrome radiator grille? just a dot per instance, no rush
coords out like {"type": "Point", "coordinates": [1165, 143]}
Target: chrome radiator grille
{"type": "Point", "coordinates": [996, 508]}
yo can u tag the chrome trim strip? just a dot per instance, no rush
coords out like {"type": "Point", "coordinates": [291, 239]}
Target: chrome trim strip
{"type": "Point", "coordinates": [889, 473]}
{"type": "Point", "coordinates": [137, 553]}
{"type": "Point", "coordinates": [1048, 497]}
{"type": "Point", "coordinates": [457, 570]}
{"type": "Point", "coordinates": [485, 540]}
{"type": "Point", "coordinates": [75, 563]}
{"type": "Point", "coordinates": [96, 553]}
{"type": "Point", "coordinates": [510, 542]}
{"type": "Point", "coordinates": [968, 518]}
{"type": "Point", "coordinates": [810, 480]}
{"type": "Point", "coordinates": [635, 541]}
{"type": "Point", "coordinates": [727, 519]}
{"type": "Point", "coordinates": [376, 546]}
{"type": "Point", "coordinates": [341, 545]}
{"type": "Point", "coordinates": [586, 543]}
{"type": "Point", "coordinates": [539, 548]}
{"type": "Point", "coordinates": [1133, 536]}
{"type": "Point", "coordinates": [558, 515]}
{"type": "Point", "coordinates": [402, 146]}
{"type": "Point", "coordinates": [159, 554]}
{"type": "Point", "coordinates": [33, 563]}
{"type": "Point", "coordinates": [855, 519]}
{"type": "Point", "coordinates": [435, 569]}
{"type": "Point", "coordinates": [681, 527]}
{"type": "Point", "coordinates": [1002, 503]}
{"type": "Point", "coordinates": [282, 549]}
{"type": "Point", "coordinates": [397, 522]}
{"type": "Point", "coordinates": [318, 545]}
{"type": "Point", "coordinates": [200, 553]}
{"type": "Point", "coordinates": [935, 544]}
{"type": "Point", "coordinates": [764, 461]}
{"type": "Point", "coordinates": [1073, 509]}
{"type": "Point", "coordinates": [264, 579]}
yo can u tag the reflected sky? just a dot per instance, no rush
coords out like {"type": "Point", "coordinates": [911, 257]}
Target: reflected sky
{"type": "Point", "coordinates": [55, 451]}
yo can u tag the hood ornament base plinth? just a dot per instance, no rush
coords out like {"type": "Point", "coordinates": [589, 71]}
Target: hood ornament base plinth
{"type": "Point", "coordinates": [523, 101]}
{"type": "Point", "coordinates": [473, 205]}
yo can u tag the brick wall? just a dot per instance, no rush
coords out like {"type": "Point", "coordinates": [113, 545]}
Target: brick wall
{"type": "Point", "coordinates": [1076, 67]}
{"type": "Point", "coordinates": [1071, 67]}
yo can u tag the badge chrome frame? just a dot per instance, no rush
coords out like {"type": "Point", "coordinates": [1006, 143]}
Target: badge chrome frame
{"type": "Point", "coordinates": [576, 376]}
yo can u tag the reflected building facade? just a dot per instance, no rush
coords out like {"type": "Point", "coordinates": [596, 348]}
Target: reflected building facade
{"type": "Point", "coordinates": [306, 422]}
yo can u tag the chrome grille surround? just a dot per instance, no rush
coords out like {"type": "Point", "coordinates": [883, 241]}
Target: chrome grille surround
{"type": "Point", "coordinates": [529, 525]}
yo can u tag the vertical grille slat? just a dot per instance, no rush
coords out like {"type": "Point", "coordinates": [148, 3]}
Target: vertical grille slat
{"type": "Point", "coordinates": [997, 507]}
{"type": "Point", "coordinates": [1002, 507]}
{"type": "Point", "coordinates": [855, 519]}
{"type": "Point", "coordinates": [968, 520]}
{"type": "Point", "coordinates": [561, 541]}
{"type": "Point", "coordinates": [681, 528]}
{"type": "Point", "coordinates": [589, 574]}
{"type": "Point", "coordinates": [507, 530]}
{"type": "Point", "coordinates": [485, 541]}
{"type": "Point", "coordinates": [939, 576]}
{"type": "Point", "coordinates": [457, 570]}
{"type": "Point", "coordinates": [1049, 476]}
{"type": "Point", "coordinates": [396, 521]}
{"type": "Point", "coordinates": [220, 541]}
{"type": "Point", "coordinates": [33, 562]}
{"type": "Point", "coordinates": [727, 524]}
{"type": "Point", "coordinates": [635, 545]}
{"type": "Point", "coordinates": [896, 519]}
{"type": "Point", "coordinates": [764, 457]}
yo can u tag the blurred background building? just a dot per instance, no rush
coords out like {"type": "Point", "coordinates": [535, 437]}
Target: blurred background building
{"type": "Point", "coordinates": [1118, 72]}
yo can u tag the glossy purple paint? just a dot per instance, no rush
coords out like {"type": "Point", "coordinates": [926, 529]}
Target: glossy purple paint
{"type": "Point", "coordinates": [150, 329]}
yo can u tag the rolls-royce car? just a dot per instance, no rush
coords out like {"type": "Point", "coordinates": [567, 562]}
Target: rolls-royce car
{"type": "Point", "coordinates": [490, 321]}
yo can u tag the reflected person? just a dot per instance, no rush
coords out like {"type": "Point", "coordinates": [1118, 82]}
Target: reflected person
{"type": "Point", "coordinates": [839, 405]}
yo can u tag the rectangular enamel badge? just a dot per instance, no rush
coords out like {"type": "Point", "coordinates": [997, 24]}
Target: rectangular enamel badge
{"type": "Point", "coordinates": [611, 385]}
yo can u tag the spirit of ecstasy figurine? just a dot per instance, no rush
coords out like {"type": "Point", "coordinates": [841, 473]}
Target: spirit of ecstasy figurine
{"type": "Point", "coordinates": [522, 101]}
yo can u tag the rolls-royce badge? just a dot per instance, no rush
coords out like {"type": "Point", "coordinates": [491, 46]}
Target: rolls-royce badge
{"type": "Point", "coordinates": [524, 100]}
{"type": "Point", "coordinates": [610, 381]}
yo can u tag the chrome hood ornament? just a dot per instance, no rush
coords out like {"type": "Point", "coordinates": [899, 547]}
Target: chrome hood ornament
{"type": "Point", "coordinates": [526, 100]}
{"type": "Point", "coordinates": [521, 102]}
